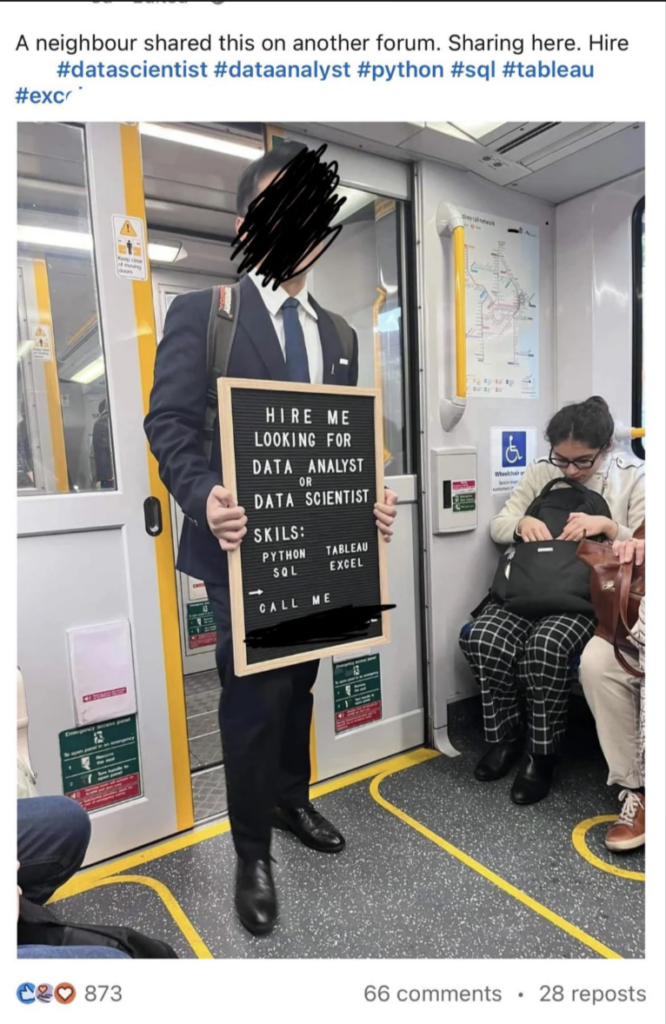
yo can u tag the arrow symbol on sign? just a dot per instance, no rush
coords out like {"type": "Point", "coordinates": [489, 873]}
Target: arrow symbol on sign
{"type": "Point", "coordinates": [256, 593]}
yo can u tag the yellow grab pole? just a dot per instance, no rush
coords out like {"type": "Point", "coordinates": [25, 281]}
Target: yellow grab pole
{"type": "Point", "coordinates": [379, 373]}
{"type": "Point", "coordinates": [461, 311]}
{"type": "Point", "coordinates": [376, 310]}
{"type": "Point", "coordinates": [626, 433]}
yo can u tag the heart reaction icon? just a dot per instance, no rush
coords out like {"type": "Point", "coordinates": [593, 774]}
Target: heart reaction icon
{"type": "Point", "coordinates": [65, 994]}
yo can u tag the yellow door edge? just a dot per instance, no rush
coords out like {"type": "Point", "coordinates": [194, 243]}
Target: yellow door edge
{"type": "Point", "coordinates": [166, 577]}
{"type": "Point", "coordinates": [54, 401]}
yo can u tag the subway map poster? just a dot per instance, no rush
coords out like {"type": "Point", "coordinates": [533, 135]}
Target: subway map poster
{"type": "Point", "coordinates": [502, 290]}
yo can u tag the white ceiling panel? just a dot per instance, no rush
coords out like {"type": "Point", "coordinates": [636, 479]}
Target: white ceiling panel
{"type": "Point", "coordinates": [606, 161]}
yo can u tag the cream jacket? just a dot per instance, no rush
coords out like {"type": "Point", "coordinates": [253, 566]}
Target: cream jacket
{"type": "Point", "coordinates": [620, 480]}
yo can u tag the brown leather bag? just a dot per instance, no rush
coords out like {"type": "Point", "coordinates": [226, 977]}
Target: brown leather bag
{"type": "Point", "coordinates": [617, 591]}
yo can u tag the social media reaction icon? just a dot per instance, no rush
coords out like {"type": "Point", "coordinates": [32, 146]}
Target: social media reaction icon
{"type": "Point", "coordinates": [45, 993]}
{"type": "Point", "coordinates": [26, 994]}
{"type": "Point", "coordinates": [65, 994]}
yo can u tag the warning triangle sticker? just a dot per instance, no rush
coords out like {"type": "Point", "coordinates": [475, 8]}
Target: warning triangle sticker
{"type": "Point", "coordinates": [39, 333]}
{"type": "Point", "coordinates": [128, 230]}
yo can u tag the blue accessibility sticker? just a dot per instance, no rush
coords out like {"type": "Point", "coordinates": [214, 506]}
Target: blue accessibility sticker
{"type": "Point", "coordinates": [514, 449]}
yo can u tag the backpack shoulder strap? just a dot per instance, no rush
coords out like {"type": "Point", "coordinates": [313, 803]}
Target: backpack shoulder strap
{"type": "Point", "coordinates": [222, 325]}
{"type": "Point", "coordinates": [345, 333]}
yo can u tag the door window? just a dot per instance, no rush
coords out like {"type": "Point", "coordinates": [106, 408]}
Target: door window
{"type": "Point", "coordinates": [361, 277]}
{"type": "Point", "coordinates": [64, 435]}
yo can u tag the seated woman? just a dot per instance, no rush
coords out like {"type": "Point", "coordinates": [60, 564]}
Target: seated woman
{"type": "Point", "coordinates": [507, 652]}
{"type": "Point", "coordinates": [616, 700]}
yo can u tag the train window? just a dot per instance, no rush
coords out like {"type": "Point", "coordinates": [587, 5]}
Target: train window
{"type": "Point", "coordinates": [638, 234]}
{"type": "Point", "coordinates": [362, 277]}
{"type": "Point", "coordinates": [64, 432]}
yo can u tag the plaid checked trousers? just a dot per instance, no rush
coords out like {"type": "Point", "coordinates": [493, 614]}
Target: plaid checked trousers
{"type": "Point", "coordinates": [508, 653]}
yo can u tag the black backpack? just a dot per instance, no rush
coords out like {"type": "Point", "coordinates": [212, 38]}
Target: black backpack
{"type": "Point", "coordinates": [546, 578]}
{"type": "Point", "coordinates": [38, 926]}
{"type": "Point", "coordinates": [222, 324]}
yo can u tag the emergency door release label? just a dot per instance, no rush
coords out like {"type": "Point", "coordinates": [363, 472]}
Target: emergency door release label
{"type": "Point", "coordinates": [100, 764]}
{"type": "Point", "coordinates": [357, 688]}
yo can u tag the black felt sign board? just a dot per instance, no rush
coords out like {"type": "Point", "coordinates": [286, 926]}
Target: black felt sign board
{"type": "Point", "coordinates": [306, 464]}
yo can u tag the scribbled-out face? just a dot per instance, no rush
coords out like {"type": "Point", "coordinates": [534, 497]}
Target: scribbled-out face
{"type": "Point", "coordinates": [287, 228]}
{"type": "Point", "coordinates": [577, 460]}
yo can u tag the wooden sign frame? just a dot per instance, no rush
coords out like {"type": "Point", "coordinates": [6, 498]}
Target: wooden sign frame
{"type": "Point", "coordinates": [225, 388]}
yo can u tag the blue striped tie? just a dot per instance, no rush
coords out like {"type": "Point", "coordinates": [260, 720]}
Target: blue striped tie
{"type": "Point", "coordinates": [296, 354]}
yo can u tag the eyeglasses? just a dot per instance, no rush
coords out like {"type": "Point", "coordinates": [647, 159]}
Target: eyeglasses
{"type": "Point", "coordinates": [584, 463]}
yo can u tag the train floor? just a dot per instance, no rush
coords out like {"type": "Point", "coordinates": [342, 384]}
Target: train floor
{"type": "Point", "coordinates": [437, 866]}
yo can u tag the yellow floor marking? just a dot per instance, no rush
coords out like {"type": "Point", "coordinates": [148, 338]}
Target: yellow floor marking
{"type": "Point", "coordinates": [579, 839]}
{"type": "Point", "coordinates": [109, 874]}
{"type": "Point", "coordinates": [90, 879]}
{"type": "Point", "coordinates": [485, 872]}
{"type": "Point", "coordinates": [172, 905]}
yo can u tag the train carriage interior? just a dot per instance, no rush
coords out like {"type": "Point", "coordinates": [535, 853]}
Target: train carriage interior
{"type": "Point", "coordinates": [473, 351]}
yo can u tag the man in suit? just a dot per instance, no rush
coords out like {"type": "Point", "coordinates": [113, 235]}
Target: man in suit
{"type": "Point", "coordinates": [266, 718]}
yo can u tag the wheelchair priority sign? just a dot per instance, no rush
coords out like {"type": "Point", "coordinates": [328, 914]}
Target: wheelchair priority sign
{"type": "Point", "coordinates": [513, 449]}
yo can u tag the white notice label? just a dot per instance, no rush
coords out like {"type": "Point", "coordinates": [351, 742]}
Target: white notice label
{"type": "Point", "coordinates": [129, 236]}
{"type": "Point", "coordinates": [197, 590]}
{"type": "Point", "coordinates": [42, 344]}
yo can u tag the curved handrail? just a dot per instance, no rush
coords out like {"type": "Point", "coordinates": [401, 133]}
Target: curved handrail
{"type": "Point", "coordinates": [450, 224]}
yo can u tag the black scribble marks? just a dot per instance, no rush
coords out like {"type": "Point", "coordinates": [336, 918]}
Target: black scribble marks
{"type": "Point", "coordinates": [290, 222]}
{"type": "Point", "coordinates": [343, 625]}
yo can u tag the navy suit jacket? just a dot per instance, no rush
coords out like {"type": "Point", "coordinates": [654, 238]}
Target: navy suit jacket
{"type": "Point", "coordinates": [175, 422]}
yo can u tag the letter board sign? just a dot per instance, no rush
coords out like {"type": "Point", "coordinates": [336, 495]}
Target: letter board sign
{"type": "Point", "coordinates": [306, 464]}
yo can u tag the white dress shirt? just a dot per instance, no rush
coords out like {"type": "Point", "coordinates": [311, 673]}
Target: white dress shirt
{"type": "Point", "coordinates": [308, 317]}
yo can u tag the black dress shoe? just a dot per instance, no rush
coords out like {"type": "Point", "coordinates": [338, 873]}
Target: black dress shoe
{"type": "Point", "coordinates": [498, 761]}
{"type": "Point", "coordinates": [256, 902]}
{"type": "Point", "coordinates": [311, 828]}
{"type": "Point", "coordinates": [534, 779]}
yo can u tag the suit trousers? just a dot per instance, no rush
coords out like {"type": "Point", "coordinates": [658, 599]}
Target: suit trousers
{"type": "Point", "coordinates": [265, 721]}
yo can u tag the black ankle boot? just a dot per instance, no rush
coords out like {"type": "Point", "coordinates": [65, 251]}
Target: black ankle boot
{"type": "Point", "coordinates": [499, 760]}
{"type": "Point", "coordinates": [534, 779]}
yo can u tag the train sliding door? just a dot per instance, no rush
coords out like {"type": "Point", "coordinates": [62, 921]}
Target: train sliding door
{"type": "Point", "coordinates": [371, 706]}
{"type": "Point", "coordinates": [98, 635]}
